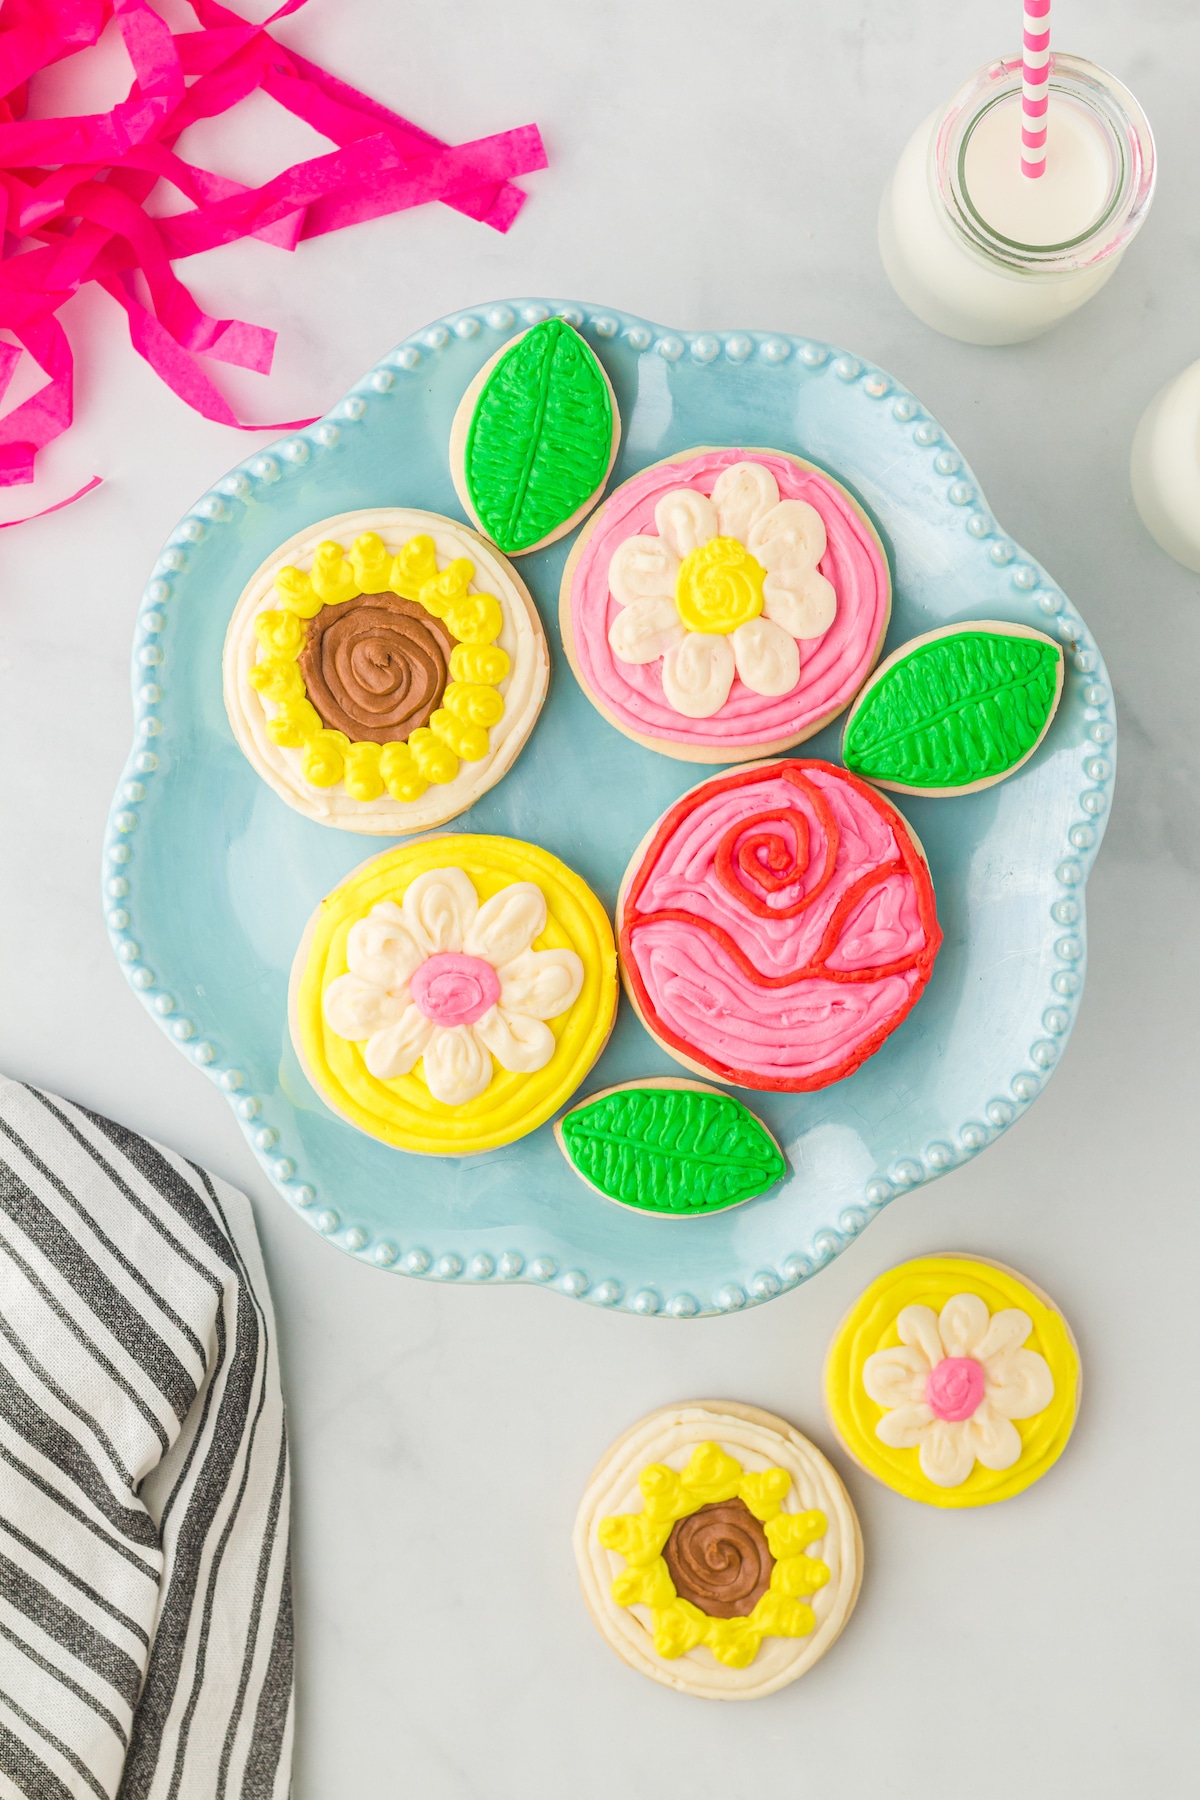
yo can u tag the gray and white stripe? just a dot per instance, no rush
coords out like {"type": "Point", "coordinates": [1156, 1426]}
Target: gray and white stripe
{"type": "Point", "coordinates": [145, 1602]}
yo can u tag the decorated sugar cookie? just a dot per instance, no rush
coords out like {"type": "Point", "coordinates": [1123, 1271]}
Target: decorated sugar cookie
{"type": "Point", "coordinates": [451, 994]}
{"type": "Point", "coordinates": [670, 1147]}
{"type": "Point", "coordinates": [955, 710]}
{"type": "Point", "coordinates": [383, 669]}
{"type": "Point", "coordinates": [776, 925]}
{"type": "Point", "coordinates": [725, 604]}
{"type": "Point", "coordinates": [534, 438]}
{"type": "Point", "coordinates": [718, 1550]}
{"type": "Point", "coordinates": [954, 1381]}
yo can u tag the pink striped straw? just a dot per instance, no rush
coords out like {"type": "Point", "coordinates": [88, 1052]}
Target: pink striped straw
{"type": "Point", "coordinates": [1035, 85]}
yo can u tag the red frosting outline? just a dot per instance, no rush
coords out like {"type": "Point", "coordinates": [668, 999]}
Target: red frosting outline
{"type": "Point", "coordinates": [909, 861]}
{"type": "Point", "coordinates": [779, 866]}
{"type": "Point", "coordinates": [777, 874]}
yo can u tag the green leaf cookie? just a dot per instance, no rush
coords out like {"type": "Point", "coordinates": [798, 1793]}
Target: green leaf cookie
{"type": "Point", "coordinates": [676, 1150]}
{"type": "Point", "coordinates": [540, 440]}
{"type": "Point", "coordinates": [959, 709]}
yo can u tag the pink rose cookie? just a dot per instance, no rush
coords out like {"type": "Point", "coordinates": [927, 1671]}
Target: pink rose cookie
{"type": "Point", "coordinates": [776, 925]}
{"type": "Point", "coordinates": [725, 604]}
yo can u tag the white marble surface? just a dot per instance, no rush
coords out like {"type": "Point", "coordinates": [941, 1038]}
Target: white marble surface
{"type": "Point", "coordinates": [712, 166]}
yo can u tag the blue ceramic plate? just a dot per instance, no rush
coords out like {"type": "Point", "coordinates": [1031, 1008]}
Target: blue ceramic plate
{"type": "Point", "coordinates": [209, 877]}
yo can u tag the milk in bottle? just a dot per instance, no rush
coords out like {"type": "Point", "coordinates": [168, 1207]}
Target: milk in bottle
{"type": "Point", "coordinates": [981, 252]}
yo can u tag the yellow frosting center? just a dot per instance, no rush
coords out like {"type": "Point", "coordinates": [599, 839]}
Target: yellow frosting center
{"type": "Point", "coordinates": [719, 586]}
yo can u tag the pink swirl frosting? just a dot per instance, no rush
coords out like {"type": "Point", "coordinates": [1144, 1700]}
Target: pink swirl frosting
{"type": "Point", "coordinates": [779, 925]}
{"type": "Point", "coordinates": [954, 1388]}
{"type": "Point", "coordinates": [832, 667]}
{"type": "Point", "coordinates": [453, 989]}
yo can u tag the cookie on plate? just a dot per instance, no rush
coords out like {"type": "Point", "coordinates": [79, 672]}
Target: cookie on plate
{"type": "Point", "coordinates": [776, 925]}
{"type": "Point", "coordinates": [534, 438]}
{"type": "Point", "coordinates": [449, 995]}
{"type": "Point", "coordinates": [725, 604]}
{"type": "Point", "coordinates": [383, 669]}
{"type": "Point", "coordinates": [956, 709]}
{"type": "Point", "coordinates": [718, 1550]}
{"type": "Point", "coordinates": [670, 1147]}
{"type": "Point", "coordinates": [954, 1381]}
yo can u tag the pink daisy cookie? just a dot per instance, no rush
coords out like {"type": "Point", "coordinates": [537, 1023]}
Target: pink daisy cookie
{"type": "Point", "coordinates": [725, 604]}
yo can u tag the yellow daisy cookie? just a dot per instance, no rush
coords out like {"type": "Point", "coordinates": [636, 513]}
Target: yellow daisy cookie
{"type": "Point", "coordinates": [451, 994]}
{"type": "Point", "coordinates": [954, 1381]}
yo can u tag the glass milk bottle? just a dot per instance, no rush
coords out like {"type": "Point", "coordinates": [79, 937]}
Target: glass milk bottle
{"type": "Point", "coordinates": [1165, 468]}
{"type": "Point", "coordinates": [981, 252]}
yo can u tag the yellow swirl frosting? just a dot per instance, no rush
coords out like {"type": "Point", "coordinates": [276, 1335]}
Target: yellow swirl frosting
{"type": "Point", "coordinates": [953, 1381]}
{"type": "Point", "coordinates": [719, 587]}
{"type": "Point", "coordinates": [452, 993]}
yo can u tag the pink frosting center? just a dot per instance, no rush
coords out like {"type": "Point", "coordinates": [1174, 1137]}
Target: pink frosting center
{"type": "Point", "coordinates": [954, 1387]}
{"type": "Point", "coordinates": [452, 989]}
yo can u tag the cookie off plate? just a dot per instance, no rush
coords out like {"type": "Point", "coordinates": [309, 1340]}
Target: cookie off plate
{"type": "Point", "coordinates": [210, 877]}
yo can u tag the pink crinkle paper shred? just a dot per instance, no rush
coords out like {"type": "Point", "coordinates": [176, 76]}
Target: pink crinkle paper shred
{"type": "Point", "coordinates": [74, 191]}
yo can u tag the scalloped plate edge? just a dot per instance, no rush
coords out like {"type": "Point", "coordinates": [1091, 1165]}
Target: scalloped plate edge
{"type": "Point", "coordinates": [188, 1031]}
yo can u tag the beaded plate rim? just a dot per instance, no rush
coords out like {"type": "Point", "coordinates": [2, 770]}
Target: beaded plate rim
{"type": "Point", "coordinates": [962, 494]}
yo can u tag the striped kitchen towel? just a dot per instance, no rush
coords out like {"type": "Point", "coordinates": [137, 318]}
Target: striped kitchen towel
{"type": "Point", "coordinates": [145, 1604]}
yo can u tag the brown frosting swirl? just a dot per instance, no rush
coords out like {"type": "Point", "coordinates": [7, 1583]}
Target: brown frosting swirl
{"type": "Point", "coordinates": [375, 667]}
{"type": "Point", "coordinates": [718, 1559]}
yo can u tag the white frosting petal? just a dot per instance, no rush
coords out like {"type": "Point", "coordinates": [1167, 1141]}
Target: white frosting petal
{"type": "Point", "coordinates": [895, 1377]}
{"type": "Point", "coordinates": [918, 1326]}
{"type": "Point", "coordinates": [642, 568]}
{"type": "Point", "coordinates": [541, 983]}
{"type": "Point", "coordinates": [354, 1008]}
{"type": "Point", "coordinates": [789, 542]}
{"type": "Point", "coordinates": [686, 520]}
{"type": "Point", "coordinates": [457, 1067]}
{"type": "Point", "coordinates": [507, 923]}
{"type": "Point", "coordinates": [394, 1050]}
{"type": "Point", "coordinates": [947, 1454]}
{"type": "Point", "coordinates": [698, 673]}
{"type": "Point", "coordinates": [991, 1439]}
{"type": "Point", "coordinates": [441, 904]}
{"type": "Point", "coordinates": [791, 534]}
{"type": "Point", "coordinates": [645, 630]}
{"type": "Point", "coordinates": [963, 1324]}
{"type": "Point", "coordinates": [385, 948]}
{"type": "Point", "coordinates": [742, 494]}
{"type": "Point", "coordinates": [767, 658]}
{"type": "Point", "coordinates": [1006, 1332]}
{"type": "Point", "coordinates": [904, 1428]}
{"type": "Point", "coordinates": [801, 601]}
{"type": "Point", "coordinates": [518, 1043]}
{"type": "Point", "coordinates": [1018, 1383]}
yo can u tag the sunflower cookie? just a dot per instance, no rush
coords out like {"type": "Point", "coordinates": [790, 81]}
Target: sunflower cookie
{"type": "Point", "coordinates": [452, 993]}
{"type": "Point", "coordinates": [725, 604]}
{"type": "Point", "coordinates": [718, 1550]}
{"type": "Point", "coordinates": [383, 669]}
{"type": "Point", "coordinates": [955, 710]}
{"type": "Point", "coordinates": [534, 438]}
{"type": "Point", "coordinates": [954, 1381]}
{"type": "Point", "coordinates": [670, 1147]}
{"type": "Point", "coordinates": [776, 925]}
